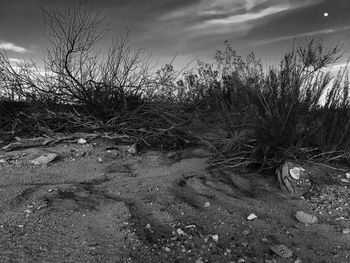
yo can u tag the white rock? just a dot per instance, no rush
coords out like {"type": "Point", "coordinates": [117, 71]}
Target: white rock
{"type": "Point", "coordinates": [346, 231]}
{"type": "Point", "coordinates": [44, 159]}
{"type": "Point", "coordinates": [252, 217]}
{"type": "Point", "coordinates": [241, 260]}
{"type": "Point", "coordinates": [215, 237]}
{"type": "Point", "coordinates": [167, 249]}
{"type": "Point", "coordinates": [148, 226]}
{"type": "Point", "coordinates": [347, 175]}
{"type": "Point", "coordinates": [100, 160]}
{"type": "Point", "coordinates": [2, 161]}
{"type": "Point", "coordinates": [206, 204]}
{"type": "Point", "coordinates": [295, 173]}
{"type": "Point", "coordinates": [81, 141]}
{"type": "Point", "coordinates": [180, 232]}
{"type": "Point", "coordinates": [306, 218]}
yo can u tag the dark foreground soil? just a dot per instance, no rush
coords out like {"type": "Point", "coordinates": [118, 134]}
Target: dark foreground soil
{"type": "Point", "coordinates": [96, 203]}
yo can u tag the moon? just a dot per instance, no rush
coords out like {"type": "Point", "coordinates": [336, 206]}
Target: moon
{"type": "Point", "coordinates": [325, 14]}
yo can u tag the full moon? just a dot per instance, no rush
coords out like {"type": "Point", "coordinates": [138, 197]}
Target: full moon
{"type": "Point", "coordinates": [325, 14]}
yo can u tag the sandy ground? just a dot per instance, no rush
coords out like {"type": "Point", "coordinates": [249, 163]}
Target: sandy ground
{"type": "Point", "coordinates": [96, 203]}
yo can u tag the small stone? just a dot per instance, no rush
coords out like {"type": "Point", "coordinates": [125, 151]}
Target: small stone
{"type": "Point", "coordinates": [298, 260]}
{"type": "Point", "coordinates": [167, 249]}
{"type": "Point", "coordinates": [44, 159]}
{"type": "Point", "coordinates": [346, 231]}
{"type": "Point", "coordinates": [282, 251]}
{"type": "Point", "coordinates": [190, 226]}
{"type": "Point", "coordinates": [81, 141]}
{"type": "Point", "coordinates": [306, 218]}
{"type": "Point", "coordinates": [132, 149]}
{"type": "Point", "coordinates": [206, 204]}
{"type": "Point", "coordinates": [251, 217]}
{"type": "Point", "coordinates": [20, 226]}
{"type": "Point", "coordinates": [264, 240]}
{"type": "Point", "coordinates": [28, 211]}
{"type": "Point", "coordinates": [148, 226]}
{"type": "Point", "coordinates": [215, 237]}
{"type": "Point", "coordinates": [295, 173]}
{"type": "Point", "coordinates": [100, 160]}
{"type": "Point", "coordinates": [245, 244]}
{"type": "Point", "coordinates": [180, 232]}
{"type": "Point", "coordinates": [199, 260]}
{"type": "Point", "coordinates": [2, 161]}
{"type": "Point", "coordinates": [241, 260]}
{"type": "Point", "coordinates": [347, 175]}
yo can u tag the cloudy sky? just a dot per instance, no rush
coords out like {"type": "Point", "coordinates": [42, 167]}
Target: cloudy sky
{"type": "Point", "coordinates": [191, 28]}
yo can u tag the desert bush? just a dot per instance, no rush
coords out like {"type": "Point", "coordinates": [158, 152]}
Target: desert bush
{"type": "Point", "coordinates": [298, 110]}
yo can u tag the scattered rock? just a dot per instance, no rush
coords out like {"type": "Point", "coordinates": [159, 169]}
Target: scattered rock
{"type": "Point", "coordinates": [132, 149]}
{"type": "Point", "coordinates": [347, 175]}
{"type": "Point", "coordinates": [346, 231]}
{"type": "Point", "coordinates": [81, 141]}
{"type": "Point", "coordinates": [2, 161]}
{"type": "Point", "coordinates": [199, 260]}
{"type": "Point", "coordinates": [167, 249]}
{"type": "Point", "coordinates": [251, 217]}
{"type": "Point", "coordinates": [148, 226]}
{"type": "Point", "coordinates": [295, 173]}
{"type": "Point", "coordinates": [241, 260]}
{"type": "Point", "coordinates": [206, 204]}
{"type": "Point", "coordinates": [306, 218]}
{"type": "Point", "coordinates": [100, 160]}
{"type": "Point", "coordinates": [215, 238]}
{"type": "Point", "coordinates": [282, 251]}
{"type": "Point", "coordinates": [298, 260]}
{"type": "Point", "coordinates": [180, 232]}
{"type": "Point", "coordinates": [44, 159]}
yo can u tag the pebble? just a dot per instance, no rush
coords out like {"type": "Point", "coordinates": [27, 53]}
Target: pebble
{"type": "Point", "coordinates": [306, 218]}
{"type": "Point", "coordinates": [346, 231]}
{"type": "Point", "coordinates": [148, 226]}
{"type": "Point", "coordinates": [347, 175]}
{"type": "Point", "coordinates": [2, 161]}
{"type": "Point", "coordinates": [100, 160]}
{"type": "Point", "coordinates": [20, 226]}
{"type": "Point", "coordinates": [241, 260]}
{"type": "Point", "coordinates": [206, 204]}
{"type": "Point", "coordinates": [252, 217]}
{"type": "Point", "coordinates": [246, 232]}
{"type": "Point", "coordinates": [167, 249]}
{"type": "Point", "coordinates": [199, 260]}
{"type": "Point", "coordinates": [132, 149]}
{"type": "Point", "coordinates": [81, 141]}
{"type": "Point", "coordinates": [215, 237]}
{"type": "Point", "coordinates": [282, 251]}
{"type": "Point", "coordinates": [298, 260]}
{"type": "Point", "coordinates": [180, 232]}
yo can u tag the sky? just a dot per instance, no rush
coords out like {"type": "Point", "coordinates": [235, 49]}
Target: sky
{"type": "Point", "coordinates": [189, 29]}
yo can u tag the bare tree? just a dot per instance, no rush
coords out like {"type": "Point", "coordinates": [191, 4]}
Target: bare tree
{"type": "Point", "coordinates": [82, 73]}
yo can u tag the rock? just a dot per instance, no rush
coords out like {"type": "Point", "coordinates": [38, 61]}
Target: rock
{"type": "Point", "coordinates": [206, 204]}
{"type": "Point", "coordinates": [347, 175]}
{"type": "Point", "coordinates": [241, 260]}
{"type": "Point", "coordinates": [180, 232]}
{"type": "Point", "coordinates": [100, 160]}
{"type": "Point", "coordinates": [306, 218]}
{"type": "Point", "coordinates": [199, 260]}
{"type": "Point", "coordinates": [167, 249]}
{"type": "Point", "coordinates": [2, 161]}
{"type": "Point", "coordinates": [295, 173]}
{"type": "Point", "coordinates": [132, 149]}
{"type": "Point", "coordinates": [44, 159]}
{"type": "Point", "coordinates": [215, 237]}
{"type": "Point", "coordinates": [251, 217]}
{"type": "Point", "coordinates": [148, 226]}
{"type": "Point", "coordinates": [81, 141]}
{"type": "Point", "coordinates": [282, 251]}
{"type": "Point", "coordinates": [346, 231]}
{"type": "Point", "coordinates": [298, 260]}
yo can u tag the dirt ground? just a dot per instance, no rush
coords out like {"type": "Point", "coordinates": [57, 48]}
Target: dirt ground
{"type": "Point", "coordinates": [97, 203]}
